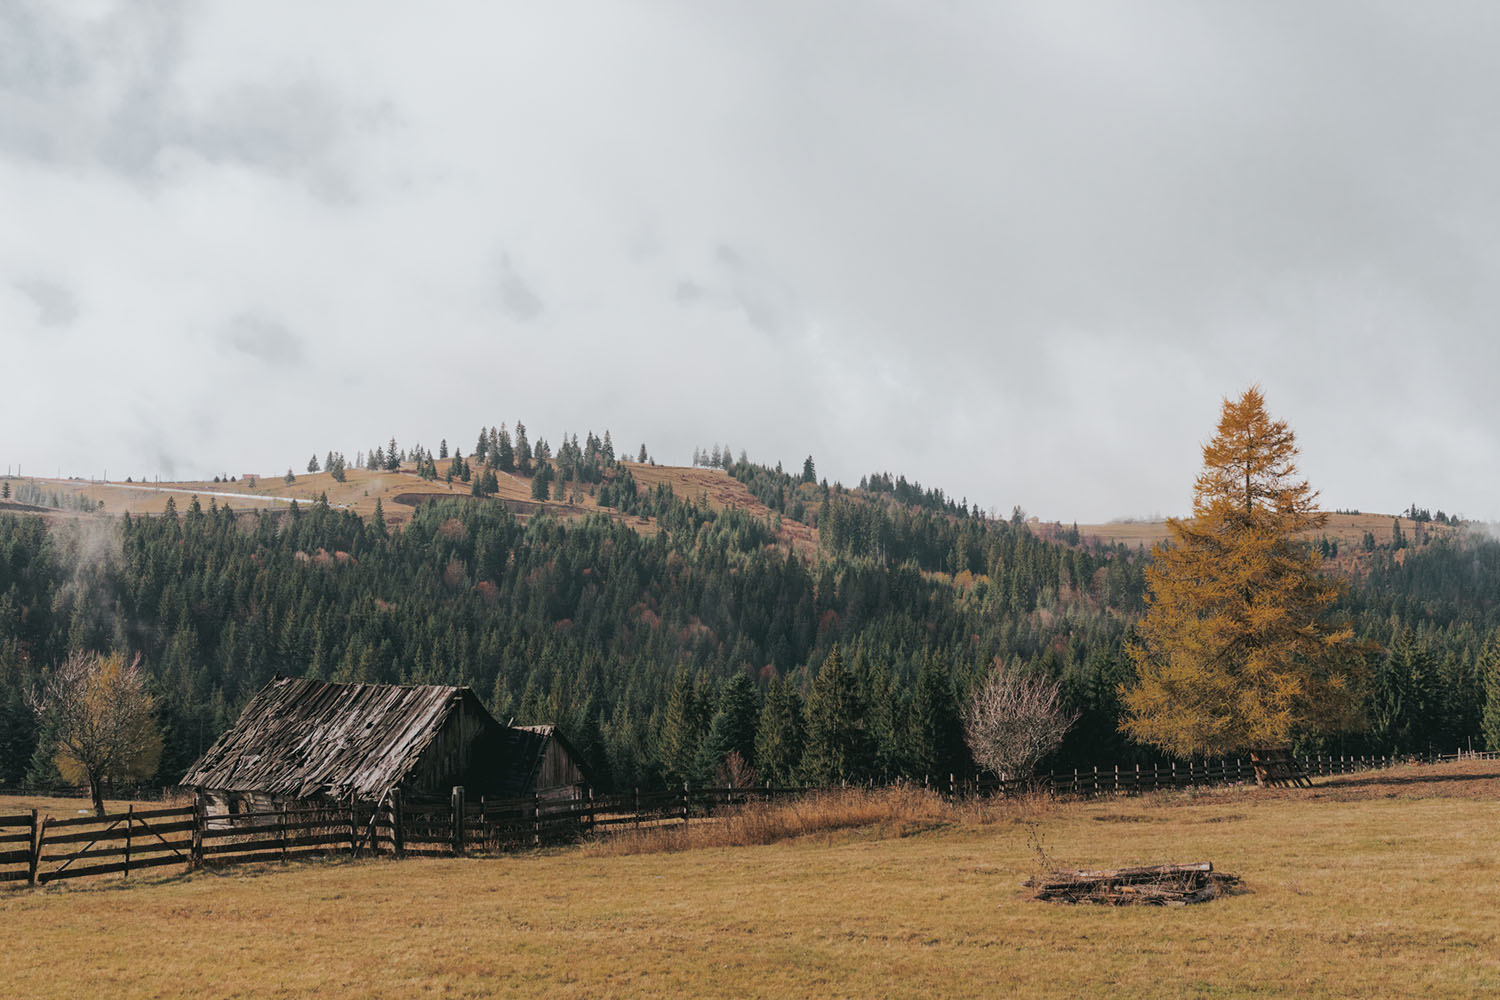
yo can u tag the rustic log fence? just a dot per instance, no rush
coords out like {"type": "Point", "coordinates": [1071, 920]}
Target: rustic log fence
{"type": "Point", "coordinates": [41, 850]}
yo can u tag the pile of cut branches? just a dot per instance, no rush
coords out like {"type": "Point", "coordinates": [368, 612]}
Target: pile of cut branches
{"type": "Point", "coordinates": [1157, 885]}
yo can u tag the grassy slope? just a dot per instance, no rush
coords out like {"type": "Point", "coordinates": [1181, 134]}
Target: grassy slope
{"type": "Point", "coordinates": [362, 488]}
{"type": "Point", "coordinates": [1362, 888]}
{"type": "Point", "coordinates": [1347, 529]}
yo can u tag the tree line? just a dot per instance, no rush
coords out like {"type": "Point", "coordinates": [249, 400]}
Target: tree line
{"type": "Point", "coordinates": [663, 653]}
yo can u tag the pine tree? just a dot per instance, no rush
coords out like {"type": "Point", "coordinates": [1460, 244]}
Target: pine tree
{"type": "Point", "coordinates": [732, 727]}
{"type": "Point", "coordinates": [779, 737]}
{"type": "Point", "coordinates": [522, 450]}
{"type": "Point", "coordinates": [506, 455]}
{"type": "Point", "coordinates": [641, 455]}
{"type": "Point", "coordinates": [482, 446]}
{"type": "Point", "coordinates": [809, 471]}
{"type": "Point", "coordinates": [541, 481]}
{"type": "Point", "coordinates": [838, 748]}
{"type": "Point", "coordinates": [392, 457]}
{"type": "Point", "coordinates": [934, 738]}
{"type": "Point", "coordinates": [289, 479]}
{"type": "Point", "coordinates": [312, 463]}
{"type": "Point", "coordinates": [682, 728]}
{"type": "Point", "coordinates": [1489, 671]}
{"type": "Point", "coordinates": [442, 449]}
{"type": "Point", "coordinates": [1236, 650]}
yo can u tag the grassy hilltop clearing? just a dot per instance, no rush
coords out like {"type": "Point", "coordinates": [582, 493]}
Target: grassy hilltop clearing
{"type": "Point", "coordinates": [1377, 884]}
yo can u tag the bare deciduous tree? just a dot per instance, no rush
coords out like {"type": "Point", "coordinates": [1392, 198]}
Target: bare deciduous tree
{"type": "Point", "coordinates": [1014, 719]}
{"type": "Point", "coordinates": [98, 710]}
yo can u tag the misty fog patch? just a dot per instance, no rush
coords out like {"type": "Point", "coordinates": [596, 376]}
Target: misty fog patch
{"type": "Point", "coordinates": [55, 304]}
{"type": "Point", "coordinates": [264, 339]}
{"type": "Point", "coordinates": [519, 300]}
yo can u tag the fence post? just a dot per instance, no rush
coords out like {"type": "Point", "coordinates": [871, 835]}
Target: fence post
{"type": "Point", "coordinates": [685, 793]}
{"type": "Point", "coordinates": [36, 850]}
{"type": "Point", "coordinates": [195, 845]}
{"type": "Point", "coordinates": [398, 837]}
{"type": "Point", "coordinates": [593, 816]}
{"type": "Point", "coordinates": [458, 819]}
{"type": "Point", "coordinates": [129, 822]}
{"type": "Point", "coordinates": [952, 786]}
{"type": "Point", "coordinates": [285, 835]}
{"type": "Point", "coordinates": [637, 807]}
{"type": "Point", "coordinates": [536, 818]}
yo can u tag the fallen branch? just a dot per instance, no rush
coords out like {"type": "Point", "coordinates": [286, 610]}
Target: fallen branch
{"type": "Point", "coordinates": [1155, 885]}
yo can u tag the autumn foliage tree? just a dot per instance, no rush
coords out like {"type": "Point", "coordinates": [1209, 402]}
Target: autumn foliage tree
{"type": "Point", "coordinates": [103, 720]}
{"type": "Point", "coordinates": [1237, 649]}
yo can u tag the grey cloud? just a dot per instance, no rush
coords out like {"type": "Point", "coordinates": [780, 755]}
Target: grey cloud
{"type": "Point", "coordinates": [107, 93]}
{"type": "Point", "coordinates": [517, 297]}
{"type": "Point", "coordinates": [263, 339]}
{"type": "Point", "coordinates": [55, 304]}
{"type": "Point", "coordinates": [1016, 250]}
{"type": "Point", "coordinates": [732, 281]}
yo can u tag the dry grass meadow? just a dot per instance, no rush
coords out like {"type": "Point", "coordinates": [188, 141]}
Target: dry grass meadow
{"type": "Point", "coordinates": [1382, 885]}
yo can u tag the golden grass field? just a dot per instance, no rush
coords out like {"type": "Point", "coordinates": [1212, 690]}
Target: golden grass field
{"type": "Point", "coordinates": [1383, 885]}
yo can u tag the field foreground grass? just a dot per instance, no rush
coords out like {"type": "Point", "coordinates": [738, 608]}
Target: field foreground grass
{"type": "Point", "coordinates": [1367, 886]}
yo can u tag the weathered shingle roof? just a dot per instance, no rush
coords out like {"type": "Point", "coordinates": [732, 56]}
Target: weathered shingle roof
{"type": "Point", "coordinates": [302, 738]}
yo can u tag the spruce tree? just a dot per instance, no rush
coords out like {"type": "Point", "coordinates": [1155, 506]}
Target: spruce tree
{"type": "Point", "coordinates": [682, 729]}
{"type": "Point", "coordinates": [506, 457]}
{"type": "Point", "coordinates": [779, 736]}
{"type": "Point", "coordinates": [838, 747]}
{"type": "Point", "coordinates": [934, 736]}
{"type": "Point", "coordinates": [1489, 671]}
{"type": "Point", "coordinates": [522, 450]}
{"type": "Point", "coordinates": [732, 727]}
{"type": "Point", "coordinates": [312, 463]}
{"type": "Point", "coordinates": [392, 457]}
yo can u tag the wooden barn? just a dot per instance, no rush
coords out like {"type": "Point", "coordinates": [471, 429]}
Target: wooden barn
{"type": "Point", "coordinates": [308, 739]}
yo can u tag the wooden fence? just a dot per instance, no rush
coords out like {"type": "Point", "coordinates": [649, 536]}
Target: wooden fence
{"type": "Point", "coordinates": [40, 851]}
{"type": "Point", "coordinates": [1129, 779]}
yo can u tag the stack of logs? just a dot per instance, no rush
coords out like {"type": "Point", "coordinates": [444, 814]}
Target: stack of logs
{"type": "Point", "coordinates": [1158, 885]}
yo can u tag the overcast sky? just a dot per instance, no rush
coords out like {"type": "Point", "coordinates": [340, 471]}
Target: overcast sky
{"type": "Point", "coordinates": [1018, 251]}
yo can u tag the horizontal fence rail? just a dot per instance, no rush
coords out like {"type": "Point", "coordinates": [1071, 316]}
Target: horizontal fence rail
{"type": "Point", "coordinates": [41, 850]}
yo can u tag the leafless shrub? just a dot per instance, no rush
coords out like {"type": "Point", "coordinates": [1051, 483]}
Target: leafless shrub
{"type": "Point", "coordinates": [1013, 720]}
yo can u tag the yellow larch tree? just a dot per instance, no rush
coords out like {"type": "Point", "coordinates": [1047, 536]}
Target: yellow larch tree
{"type": "Point", "coordinates": [99, 711]}
{"type": "Point", "coordinates": [1237, 649]}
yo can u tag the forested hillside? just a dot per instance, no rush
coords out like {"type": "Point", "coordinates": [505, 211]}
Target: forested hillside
{"type": "Point", "coordinates": [659, 651]}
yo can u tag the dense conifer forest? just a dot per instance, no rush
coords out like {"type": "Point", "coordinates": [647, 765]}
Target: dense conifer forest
{"type": "Point", "coordinates": [661, 652]}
